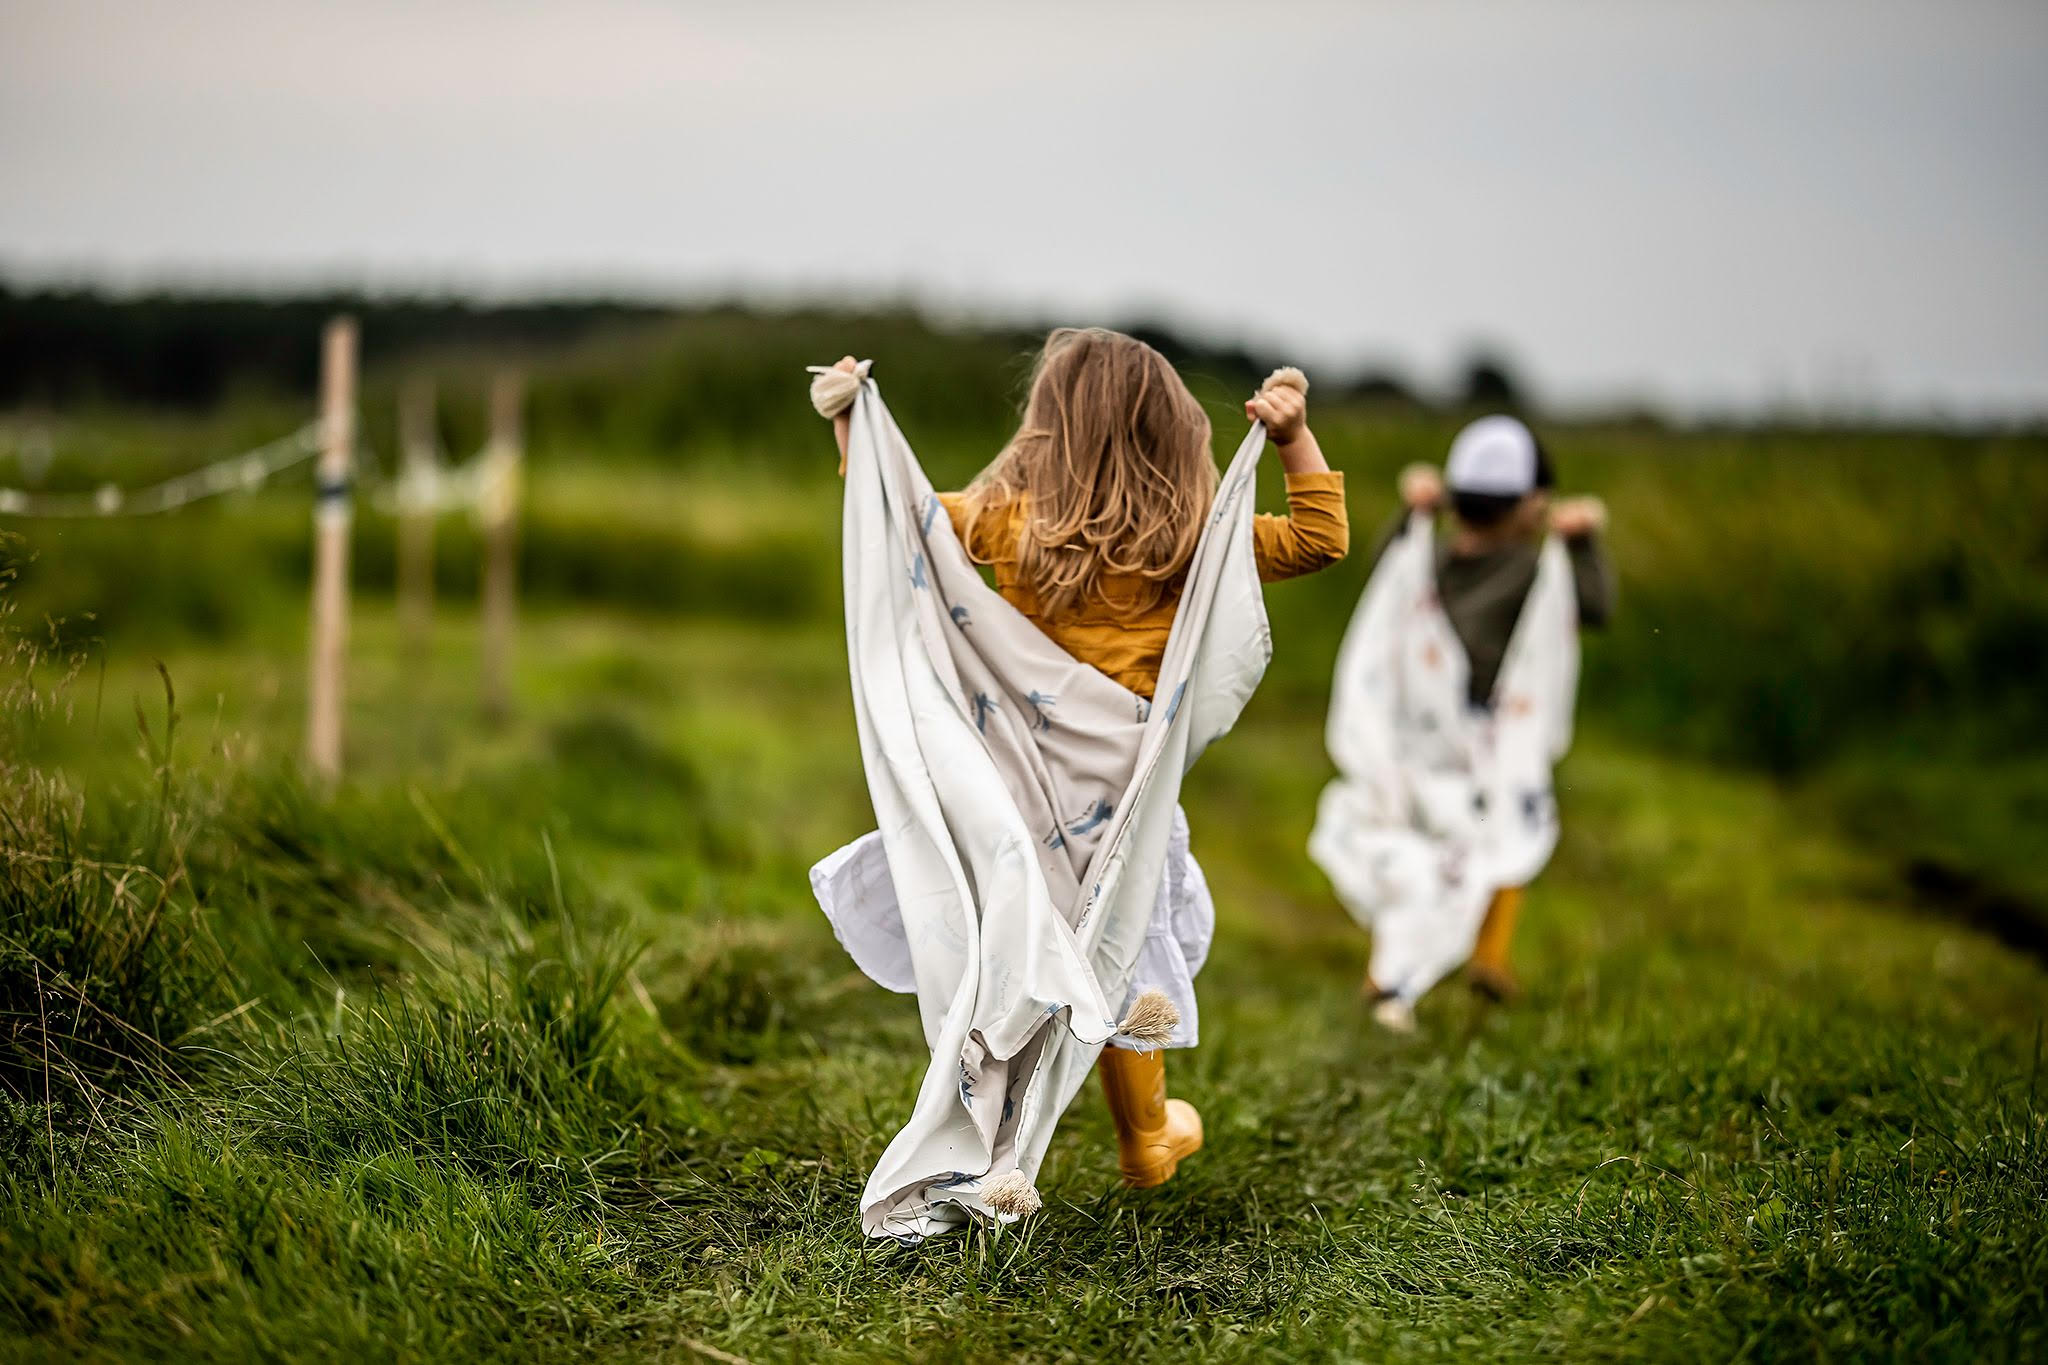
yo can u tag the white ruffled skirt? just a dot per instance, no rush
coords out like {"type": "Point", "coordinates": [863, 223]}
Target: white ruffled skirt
{"type": "Point", "coordinates": [855, 891]}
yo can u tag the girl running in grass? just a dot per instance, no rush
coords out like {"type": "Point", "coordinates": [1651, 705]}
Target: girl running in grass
{"type": "Point", "coordinates": [1090, 519]}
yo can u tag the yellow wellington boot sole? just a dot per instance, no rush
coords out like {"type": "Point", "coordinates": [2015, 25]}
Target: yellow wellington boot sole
{"type": "Point", "coordinates": [1497, 984]}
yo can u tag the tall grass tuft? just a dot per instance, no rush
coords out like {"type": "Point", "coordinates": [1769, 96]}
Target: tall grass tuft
{"type": "Point", "coordinates": [105, 975]}
{"type": "Point", "coordinates": [107, 978]}
{"type": "Point", "coordinates": [513, 1070]}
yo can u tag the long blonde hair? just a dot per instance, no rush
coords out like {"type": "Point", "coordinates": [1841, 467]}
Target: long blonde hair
{"type": "Point", "coordinates": [1111, 467]}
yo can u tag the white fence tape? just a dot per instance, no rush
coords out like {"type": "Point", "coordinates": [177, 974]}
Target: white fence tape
{"type": "Point", "coordinates": [246, 471]}
{"type": "Point", "coordinates": [434, 487]}
{"type": "Point", "coordinates": [431, 489]}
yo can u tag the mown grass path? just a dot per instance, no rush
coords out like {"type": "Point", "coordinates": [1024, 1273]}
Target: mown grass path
{"type": "Point", "coordinates": [543, 1052]}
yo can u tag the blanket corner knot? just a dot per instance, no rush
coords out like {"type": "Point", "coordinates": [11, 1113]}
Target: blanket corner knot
{"type": "Point", "coordinates": [833, 389]}
{"type": "Point", "coordinates": [1286, 377]}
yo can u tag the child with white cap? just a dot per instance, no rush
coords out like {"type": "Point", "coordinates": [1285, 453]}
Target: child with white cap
{"type": "Point", "coordinates": [1452, 700]}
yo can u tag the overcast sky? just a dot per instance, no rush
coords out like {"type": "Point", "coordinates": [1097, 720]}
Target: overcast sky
{"type": "Point", "coordinates": [1831, 202]}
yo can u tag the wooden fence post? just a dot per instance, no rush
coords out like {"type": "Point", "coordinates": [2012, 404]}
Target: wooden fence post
{"type": "Point", "coordinates": [498, 512]}
{"type": "Point", "coordinates": [331, 516]}
{"type": "Point", "coordinates": [416, 510]}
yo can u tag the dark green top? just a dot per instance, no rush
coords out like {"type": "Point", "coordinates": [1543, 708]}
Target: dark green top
{"type": "Point", "coordinates": [1483, 594]}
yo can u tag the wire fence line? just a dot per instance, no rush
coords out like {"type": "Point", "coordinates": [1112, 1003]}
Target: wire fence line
{"type": "Point", "coordinates": [244, 472]}
{"type": "Point", "coordinates": [420, 490]}
{"type": "Point", "coordinates": [428, 487]}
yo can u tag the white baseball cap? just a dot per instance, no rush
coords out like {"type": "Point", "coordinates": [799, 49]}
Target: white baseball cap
{"type": "Point", "coordinates": [1495, 456]}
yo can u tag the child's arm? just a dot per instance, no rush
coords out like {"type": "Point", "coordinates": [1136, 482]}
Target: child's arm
{"type": "Point", "coordinates": [1316, 532]}
{"type": "Point", "coordinates": [842, 425]}
{"type": "Point", "coordinates": [1580, 521]}
{"type": "Point", "coordinates": [1284, 410]}
{"type": "Point", "coordinates": [1422, 491]}
{"type": "Point", "coordinates": [1421, 488]}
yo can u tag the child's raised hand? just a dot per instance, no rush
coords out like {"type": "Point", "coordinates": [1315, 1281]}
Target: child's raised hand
{"type": "Point", "coordinates": [1284, 411]}
{"type": "Point", "coordinates": [1575, 517]}
{"type": "Point", "coordinates": [1422, 488]}
{"type": "Point", "coordinates": [842, 425]}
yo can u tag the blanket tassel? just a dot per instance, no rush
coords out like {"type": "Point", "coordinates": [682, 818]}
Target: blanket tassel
{"type": "Point", "coordinates": [1012, 1193]}
{"type": "Point", "coordinates": [833, 390]}
{"type": "Point", "coordinates": [1152, 1019]}
{"type": "Point", "coordinates": [1286, 377]}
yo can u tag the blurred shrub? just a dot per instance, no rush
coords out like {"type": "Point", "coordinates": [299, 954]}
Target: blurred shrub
{"type": "Point", "coordinates": [65, 346]}
{"type": "Point", "coordinates": [741, 993]}
{"type": "Point", "coordinates": [1786, 596]}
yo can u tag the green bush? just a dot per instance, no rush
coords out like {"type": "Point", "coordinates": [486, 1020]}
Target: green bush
{"type": "Point", "coordinates": [1791, 601]}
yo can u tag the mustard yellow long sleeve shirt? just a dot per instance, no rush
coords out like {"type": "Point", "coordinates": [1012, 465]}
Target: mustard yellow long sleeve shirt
{"type": "Point", "coordinates": [1111, 633]}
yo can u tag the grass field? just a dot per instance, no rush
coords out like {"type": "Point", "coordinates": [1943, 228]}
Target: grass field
{"type": "Point", "coordinates": [531, 1044]}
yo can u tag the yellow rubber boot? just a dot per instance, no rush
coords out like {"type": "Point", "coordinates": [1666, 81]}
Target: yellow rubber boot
{"type": "Point", "coordinates": [1488, 971]}
{"type": "Point", "coordinates": [1153, 1132]}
